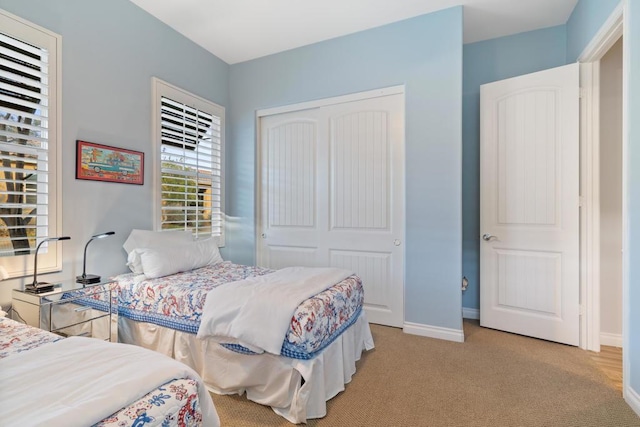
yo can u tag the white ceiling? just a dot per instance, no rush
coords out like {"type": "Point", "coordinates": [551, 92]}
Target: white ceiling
{"type": "Point", "coordinates": [240, 30]}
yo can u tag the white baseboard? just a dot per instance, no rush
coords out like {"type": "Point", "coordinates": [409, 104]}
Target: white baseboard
{"type": "Point", "coordinates": [633, 399]}
{"type": "Point", "coordinates": [613, 340]}
{"type": "Point", "coordinates": [438, 332]}
{"type": "Point", "coordinates": [470, 313]}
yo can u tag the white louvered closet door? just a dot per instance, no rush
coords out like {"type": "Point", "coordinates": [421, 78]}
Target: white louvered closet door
{"type": "Point", "coordinates": [331, 194]}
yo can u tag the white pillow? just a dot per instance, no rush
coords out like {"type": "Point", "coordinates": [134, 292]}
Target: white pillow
{"type": "Point", "coordinates": [159, 262]}
{"type": "Point", "coordinates": [152, 239]}
{"type": "Point", "coordinates": [134, 263]}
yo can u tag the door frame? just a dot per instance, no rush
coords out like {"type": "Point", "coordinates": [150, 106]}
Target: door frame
{"type": "Point", "coordinates": [589, 59]}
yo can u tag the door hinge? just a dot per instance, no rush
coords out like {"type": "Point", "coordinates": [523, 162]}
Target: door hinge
{"type": "Point", "coordinates": [580, 201]}
{"type": "Point", "coordinates": [581, 310]}
{"type": "Point", "coordinates": [581, 92]}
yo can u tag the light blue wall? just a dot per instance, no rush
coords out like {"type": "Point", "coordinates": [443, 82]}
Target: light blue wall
{"type": "Point", "coordinates": [110, 51]}
{"type": "Point", "coordinates": [632, 305]}
{"type": "Point", "coordinates": [485, 62]}
{"type": "Point", "coordinates": [584, 22]}
{"type": "Point", "coordinates": [423, 53]}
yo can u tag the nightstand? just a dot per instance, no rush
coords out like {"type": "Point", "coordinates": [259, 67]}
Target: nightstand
{"type": "Point", "coordinates": [71, 310]}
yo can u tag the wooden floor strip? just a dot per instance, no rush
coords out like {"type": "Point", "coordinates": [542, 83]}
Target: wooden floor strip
{"type": "Point", "coordinates": [609, 360]}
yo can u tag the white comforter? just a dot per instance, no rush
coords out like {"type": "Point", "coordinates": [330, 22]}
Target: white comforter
{"type": "Point", "coordinates": [80, 381]}
{"type": "Point", "coordinates": [256, 312]}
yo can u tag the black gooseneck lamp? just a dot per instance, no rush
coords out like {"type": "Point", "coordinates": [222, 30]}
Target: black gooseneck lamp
{"type": "Point", "coordinates": [40, 287]}
{"type": "Point", "coordinates": [85, 278]}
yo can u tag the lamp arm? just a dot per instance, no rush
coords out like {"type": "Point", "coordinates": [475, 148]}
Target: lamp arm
{"type": "Point", "coordinates": [35, 264]}
{"type": "Point", "coordinates": [84, 259]}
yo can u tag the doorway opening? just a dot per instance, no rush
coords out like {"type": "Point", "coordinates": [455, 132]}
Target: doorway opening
{"type": "Point", "coordinates": [610, 154]}
{"type": "Point", "coordinates": [602, 186]}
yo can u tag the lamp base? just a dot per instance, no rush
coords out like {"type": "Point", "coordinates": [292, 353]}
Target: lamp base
{"type": "Point", "coordinates": [88, 279]}
{"type": "Point", "coordinates": [39, 288]}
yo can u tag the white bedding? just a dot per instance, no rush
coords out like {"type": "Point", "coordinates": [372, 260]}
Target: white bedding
{"type": "Point", "coordinates": [80, 381]}
{"type": "Point", "coordinates": [256, 312]}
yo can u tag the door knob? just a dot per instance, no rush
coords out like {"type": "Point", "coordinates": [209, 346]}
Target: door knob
{"type": "Point", "coordinates": [487, 237]}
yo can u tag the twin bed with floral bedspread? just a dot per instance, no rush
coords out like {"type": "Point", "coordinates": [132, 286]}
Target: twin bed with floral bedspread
{"type": "Point", "coordinates": [324, 336]}
{"type": "Point", "coordinates": [84, 381]}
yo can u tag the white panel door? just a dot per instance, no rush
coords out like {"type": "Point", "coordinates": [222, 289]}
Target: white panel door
{"type": "Point", "coordinates": [529, 219]}
{"type": "Point", "coordinates": [331, 194]}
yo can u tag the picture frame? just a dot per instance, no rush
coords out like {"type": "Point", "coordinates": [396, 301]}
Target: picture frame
{"type": "Point", "coordinates": [98, 162]}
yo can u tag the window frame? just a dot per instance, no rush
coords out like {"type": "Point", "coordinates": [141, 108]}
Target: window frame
{"type": "Point", "coordinates": [50, 254]}
{"type": "Point", "coordinates": [162, 89]}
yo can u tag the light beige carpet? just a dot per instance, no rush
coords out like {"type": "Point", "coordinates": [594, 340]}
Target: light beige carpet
{"type": "Point", "coordinates": [492, 379]}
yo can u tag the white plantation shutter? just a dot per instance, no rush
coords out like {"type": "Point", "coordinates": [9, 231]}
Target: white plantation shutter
{"type": "Point", "coordinates": [28, 143]}
{"type": "Point", "coordinates": [190, 135]}
{"type": "Point", "coordinates": [23, 144]}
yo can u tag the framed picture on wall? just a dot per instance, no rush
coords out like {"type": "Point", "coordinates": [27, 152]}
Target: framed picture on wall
{"type": "Point", "coordinates": [97, 162]}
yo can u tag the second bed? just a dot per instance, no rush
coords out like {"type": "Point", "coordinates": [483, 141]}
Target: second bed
{"type": "Point", "coordinates": [327, 334]}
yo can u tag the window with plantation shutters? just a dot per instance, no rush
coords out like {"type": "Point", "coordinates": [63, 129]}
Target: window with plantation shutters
{"type": "Point", "coordinates": [29, 123]}
{"type": "Point", "coordinates": [189, 136]}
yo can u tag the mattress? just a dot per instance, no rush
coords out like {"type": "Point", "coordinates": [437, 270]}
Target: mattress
{"type": "Point", "coordinates": [172, 404]}
{"type": "Point", "coordinates": [176, 302]}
